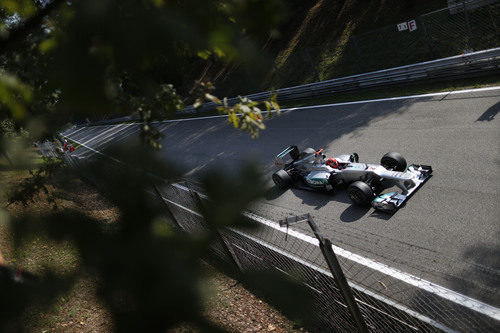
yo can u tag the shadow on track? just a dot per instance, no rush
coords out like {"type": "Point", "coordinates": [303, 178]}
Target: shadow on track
{"type": "Point", "coordinates": [353, 213]}
{"type": "Point", "coordinates": [319, 199]}
{"type": "Point", "coordinates": [481, 279]}
{"type": "Point", "coordinates": [490, 114]}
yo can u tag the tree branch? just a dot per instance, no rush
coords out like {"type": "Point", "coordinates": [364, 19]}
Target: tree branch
{"type": "Point", "coordinates": [21, 32]}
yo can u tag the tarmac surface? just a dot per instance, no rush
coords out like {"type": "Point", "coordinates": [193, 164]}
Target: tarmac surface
{"type": "Point", "coordinates": [447, 233]}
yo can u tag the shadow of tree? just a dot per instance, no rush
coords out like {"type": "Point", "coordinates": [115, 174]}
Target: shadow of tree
{"type": "Point", "coordinates": [478, 280]}
{"type": "Point", "coordinates": [481, 279]}
{"type": "Point", "coordinates": [274, 193]}
{"type": "Point", "coordinates": [490, 114]}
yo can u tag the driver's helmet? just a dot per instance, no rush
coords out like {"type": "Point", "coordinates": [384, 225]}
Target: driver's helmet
{"type": "Point", "coordinates": [331, 162]}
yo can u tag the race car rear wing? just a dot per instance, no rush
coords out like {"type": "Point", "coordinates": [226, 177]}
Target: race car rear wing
{"type": "Point", "coordinates": [292, 151]}
{"type": "Point", "coordinates": [279, 160]}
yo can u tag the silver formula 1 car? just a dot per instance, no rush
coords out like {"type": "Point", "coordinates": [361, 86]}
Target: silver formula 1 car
{"type": "Point", "coordinates": [365, 182]}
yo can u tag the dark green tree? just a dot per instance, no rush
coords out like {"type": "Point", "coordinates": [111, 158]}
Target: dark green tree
{"type": "Point", "coordinates": [64, 61]}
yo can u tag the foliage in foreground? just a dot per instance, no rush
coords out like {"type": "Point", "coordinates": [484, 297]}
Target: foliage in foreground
{"type": "Point", "coordinates": [63, 62]}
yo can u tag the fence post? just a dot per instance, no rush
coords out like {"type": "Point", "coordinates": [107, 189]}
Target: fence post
{"type": "Point", "coordinates": [281, 79]}
{"type": "Point", "coordinates": [493, 22]}
{"type": "Point", "coordinates": [334, 265]}
{"type": "Point", "coordinates": [309, 58]}
{"type": "Point", "coordinates": [225, 245]}
{"type": "Point", "coordinates": [358, 52]}
{"type": "Point", "coordinates": [464, 5]}
{"type": "Point", "coordinates": [169, 213]}
{"type": "Point", "coordinates": [428, 38]}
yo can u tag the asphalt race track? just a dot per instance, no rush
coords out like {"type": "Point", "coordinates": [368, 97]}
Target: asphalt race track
{"type": "Point", "coordinates": [448, 232]}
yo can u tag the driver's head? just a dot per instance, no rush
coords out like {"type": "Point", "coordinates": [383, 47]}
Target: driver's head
{"type": "Point", "coordinates": [331, 162]}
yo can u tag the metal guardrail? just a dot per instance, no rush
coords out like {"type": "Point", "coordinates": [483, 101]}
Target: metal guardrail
{"type": "Point", "coordinates": [457, 67]}
{"type": "Point", "coordinates": [389, 299]}
{"type": "Point", "coordinates": [462, 27]}
{"type": "Point", "coordinates": [396, 305]}
{"type": "Point", "coordinates": [47, 149]}
{"type": "Point", "coordinates": [460, 66]}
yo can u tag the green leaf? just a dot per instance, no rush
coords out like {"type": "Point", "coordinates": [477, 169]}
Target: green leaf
{"type": "Point", "coordinates": [47, 45]}
{"type": "Point", "coordinates": [205, 54]}
{"type": "Point", "coordinates": [158, 3]}
{"type": "Point", "coordinates": [212, 98]}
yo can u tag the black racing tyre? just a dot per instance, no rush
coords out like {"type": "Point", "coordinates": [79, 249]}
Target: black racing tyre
{"type": "Point", "coordinates": [282, 179]}
{"type": "Point", "coordinates": [295, 153]}
{"type": "Point", "coordinates": [306, 152]}
{"type": "Point", "coordinates": [394, 161]}
{"type": "Point", "coordinates": [360, 193]}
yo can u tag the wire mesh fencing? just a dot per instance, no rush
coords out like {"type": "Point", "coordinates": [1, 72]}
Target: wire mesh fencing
{"type": "Point", "coordinates": [47, 149]}
{"type": "Point", "coordinates": [389, 299]}
{"type": "Point", "coordinates": [462, 27]}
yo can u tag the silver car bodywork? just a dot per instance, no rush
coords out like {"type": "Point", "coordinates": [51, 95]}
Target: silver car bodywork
{"type": "Point", "coordinates": [313, 170]}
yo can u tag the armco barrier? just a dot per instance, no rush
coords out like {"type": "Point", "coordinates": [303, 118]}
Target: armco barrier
{"type": "Point", "coordinates": [389, 300]}
{"type": "Point", "coordinates": [463, 26]}
{"type": "Point", "coordinates": [456, 67]}
{"type": "Point", "coordinates": [473, 64]}
{"type": "Point", "coordinates": [404, 303]}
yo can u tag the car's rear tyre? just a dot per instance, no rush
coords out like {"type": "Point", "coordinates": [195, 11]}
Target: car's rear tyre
{"type": "Point", "coordinates": [394, 161]}
{"type": "Point", "coordinates": [360, 193]}
{"type": "Point", "coordinates": [282, 179]}
{"type": "Point", "coordinates": [306, 152]}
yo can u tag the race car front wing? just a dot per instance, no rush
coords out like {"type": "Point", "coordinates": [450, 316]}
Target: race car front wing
{"type": "Point", "coordinates": [390, 202]}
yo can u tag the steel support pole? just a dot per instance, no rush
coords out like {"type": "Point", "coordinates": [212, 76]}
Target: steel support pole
{"type": "Point", "coordinates": [358, 52]}
{"type": "Point", "coordinates": [428, 38]}
{"type": "Point", "coordinates": [169, 212]}
{"type": "Point", "coordinates": [471, 42]}
{"type": "Point", "coordinates": [225, 245]}
{"type": "Point", "coordinates": [493, 22]}
{"type": "Point", "coordinates": [334, 265]}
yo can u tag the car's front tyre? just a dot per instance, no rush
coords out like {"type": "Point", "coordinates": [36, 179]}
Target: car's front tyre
{"type": "Point", "coordinates": [361, 194]}
{"type": "Point", "coordinates": [394, 161]}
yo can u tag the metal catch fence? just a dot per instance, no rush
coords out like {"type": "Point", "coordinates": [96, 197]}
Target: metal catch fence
{"type": "Point", "coordinates": [388, 299]}
{"type": "Point", "coordinates": [47, 149]}
{"type": "Point", "coordinates": [388, 302]}
{"type": "Point", "coordinates": [462, 27]}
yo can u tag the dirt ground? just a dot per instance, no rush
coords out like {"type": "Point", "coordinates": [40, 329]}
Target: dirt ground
{"type": "Point", "coordinates": [227, 303]}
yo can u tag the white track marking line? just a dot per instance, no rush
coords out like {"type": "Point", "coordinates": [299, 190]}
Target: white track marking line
{"type": "Point", "coordinates": [114, 129]}
{"type": "Point", "coordinates": [435, 289]}
{"type": "Point", "coordinates": [444, 93]}
{"type": "Point", "coordinates": [119, 135]}
{"type": "Point", "coordinates": [92, 149]}
{"type": "Point", "coordinates": [73, 131]}
{"type": "Point", "coordinates": [415, 281]}
{"type": "Point", "coordinates": [314, 241]}
{"type": "Point", "coordinates": [352, 284]}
